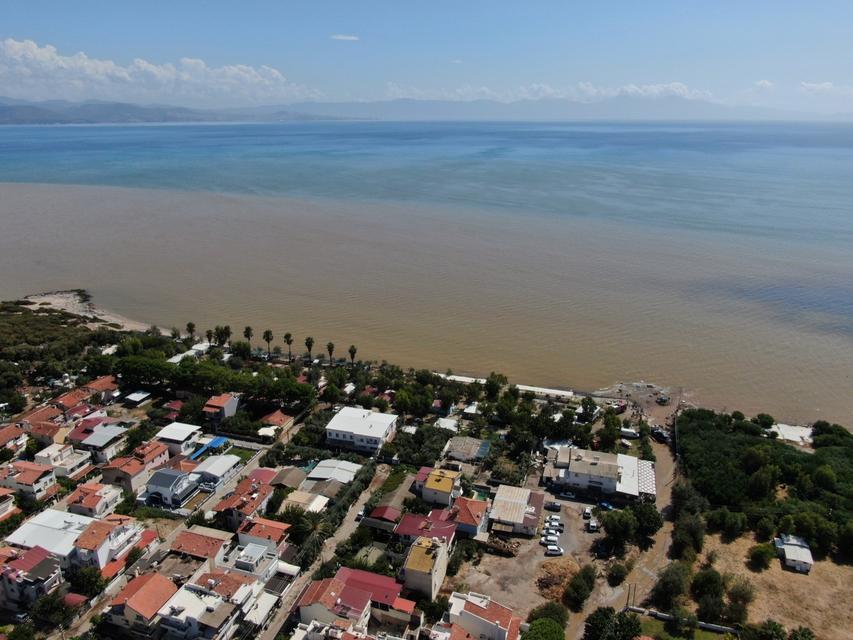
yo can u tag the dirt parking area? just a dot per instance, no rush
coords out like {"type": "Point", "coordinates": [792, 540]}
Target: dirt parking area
{"type": "Point", "coordinates": [818, 600]}
{"type": "Point", "coordinates": [512, 581]}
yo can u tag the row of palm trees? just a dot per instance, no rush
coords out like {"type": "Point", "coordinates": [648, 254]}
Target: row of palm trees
{"type": "Point", "coordinates": [221, 335]}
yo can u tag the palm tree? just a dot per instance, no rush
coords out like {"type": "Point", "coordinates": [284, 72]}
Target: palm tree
{"type": "Point", "coordinates": [191, 330]}
{"type": "Point", "coordinates": [288, 340]}
{"type": "Point", "coordinates": [312, 523]}
{"type": "Point", "coordinates": [248, 333]}
{"type": "Point", "coordinates": [268, 339]}
{"type": "Point", "coordinates": [352, 351]}
{"type": "Point", "coordinates": [309, 344]}
{"type": "Point", "coordinates": [209, 335]}
{"type": "Point", "coordinates": [226, 333]}
{"type": "Point", "coordinates": [330, 347]}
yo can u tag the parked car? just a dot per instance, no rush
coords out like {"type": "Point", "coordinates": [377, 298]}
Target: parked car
{"type": "Point", "coordinates": [553, 518]}
{"type": "Point", "coordinates": [550, 532]}
{"type": "Point", "coordinates": [587, 513]}
{"type": "Point", "coordinates": [592, 525]}
{"type": "Point", "coordinates": [606, 505]}
{"type": "Point", "coordinates": [546, 540]}
{"type": "Point", "coordinates": [554, 550]}
{"type": "Point", "coordinates": [553, 506]}
{"type": "Point", "coordinates": [567, 495]}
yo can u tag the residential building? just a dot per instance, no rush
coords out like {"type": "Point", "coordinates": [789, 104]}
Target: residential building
{"type": "Point", "coordinates": [466, 449]}
{"type": "Point", "coordinates": [34, 480]}
{"type": "Point", "coordinates": [127, 472]}
{"type": "Point", "coordinates": [169, 488]}
{"type": "Point", "coordinates": [67, 462]}
{"type": "Point", "coordinates": [105, 442]}
{"type": "Point", "coordinates": [253, 560]}
{"type": "Point", "coordinates": [152, 454]}
{"type": "Point", "coordinates": [55, 531]}
{"type": "Point", "coordinates": [200, 542]}
{"type": "Point", "coordinates": [13, 438]}
{"type": "Point", "coordinates": [482, 617]}
{"type": "Point", "coordinates": [360, 429]}
{"type": "Point", "coordinates": [331, 601]}
{"type": "Point", "coordinates": [71, 399]}
{"type": "Point", "coordinates": [94, 499]}
{"type": "Point", "coordinates": [433, 525]}
{"type": "Point", "coordinates": [135, 608]}
{"type": "Point", "coordinates": [248, 499]}
{"type": "Point", "coordinates": [214, 471]}
{"type": "Point", "coordinates": [471, 517]}
{"type": "Point", "coordinates": [7, 504]}
{"type": "Point", "coordinates": [516, 510]}
{"type": "Point", "coordinates": [387, 608]}
{"type": "Point", "coordinates": [217, 408]}
{"type": "Point", "coordinates": [106, 540]}
{"type": "Point", "coordinates": [442, 487]}
{"type": "Point", "coordinates": [596, 472]}
{"type": "Point", "coordinates": [426, 566]}
{"type": "Point", "coordinates": [47, 415]}
{"type": "Point", "coordinates": [179, 437]}
{"type": "Point", "coordinates": [334, 469]}
{"type": "Point", "coordinates": [795, 553]}
{"type": "Point", "coordinates": [270, 533]}
{"type": "Point", "coordinates": [281, 422]}
{"type": "Point", "coordinates": [195, 612]}
{"type": "Point", "coordinates": [305, 501]}
{"type": "Point", "coordinates": [27, 576]}
{"type": "Point", "coordinates": [420, 479]}
{"type": "Point", "coordinates": [104, 389]}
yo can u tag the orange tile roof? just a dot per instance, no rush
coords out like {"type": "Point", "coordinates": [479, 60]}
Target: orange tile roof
{"type": "Point", "coordinates": [146, 594]}
{"type": "Point", "coordinates": [130, 466]}
{"type": "Point", "coordinates": [9, 433]}
{"type": "Point", "coordinates": [196, 544]}
{"type": "Point", "coordinates": [42, 414]}
{"type": "Point", "coordinates": [104, 383]}
{"type": "Point", "coordinates": [72, 398]}
{"type": "Point", "coordinates": [457, 632]}
{"type": "Point", "coordinates": [272, 530]}
{"type": "Point", "coordinates": [87, 494]}
{"type": "Point", "coordinates": [149, 451]}
{"type": "Point", "coordinates": [469, 511]}
{"type": "Point", "coordinates": [247, 497]}
{"type": "Point", "coordinates": [493, 612]}
{"type": "Point", "coordinates": [277, 418]}
{"type": "Point", "coordinates": [224, 583]}
{"type": "Point", "coordinates": [25, 473]}
{"type": "Point", "coordinates": [218, 402]}
{"type": "Point", "coordinates": [94, 535]}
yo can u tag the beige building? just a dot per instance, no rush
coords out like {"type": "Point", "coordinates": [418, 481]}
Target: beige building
{"type": "Point", "coordinates": [426, 566]}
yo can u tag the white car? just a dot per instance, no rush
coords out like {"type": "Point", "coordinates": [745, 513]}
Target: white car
{"type": "Point", "coordinates": [553, 517]}
{"type": "Point", "coordinates": [592, 525]}
{"type": "Point", "coordinates": [550, 532]}
{"type": "Point", "coordinates": [553, 522]}
{"type": "Point", "coordinates": [548, 540]}
{"type": "Point", "coordinates": [554, 550]}
{"type": "Point", "coordinates": [587, 513]}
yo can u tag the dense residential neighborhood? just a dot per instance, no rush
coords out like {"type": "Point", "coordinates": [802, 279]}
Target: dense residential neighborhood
{"type": "Point", "coordinates": [171, 486]}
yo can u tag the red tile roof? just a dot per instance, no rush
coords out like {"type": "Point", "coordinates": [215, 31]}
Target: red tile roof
{"type": "Point", "coordinates": [493, 612]}
{"type": "Point", "coordinates": [271, 530]}
{"type": "Point", "coordinates": [218, 402]}
{"type": "Point", "coordinates": [131, 466]}
{"type": "Point", "coordinates": [42, 414]}
{"type": "Point", "coordinates": [224, 583]}
{"type": "Point", "coordinates": [382, 589]}
{"type": "Point", "coordinates": [423, 472]}
{"type": "Point", "coordinates": [277, 418]}
{"type": "Point", "coordinates": [25, 473]}
{"type": "Point", "coordinates": [146, 594]}
{"type": "Point", "coordinates": [72, 398]}
{"type": "Point", "coordinates": [9, 433]}
{"type": "Point", "coordinates": [263, 475]}
{"type": "Point", "coordinates": [412, 525]}
{"type": "Point", "coordinates": [150, 451]}
{"type": "Point", "coordinates": [247, 498]}
{"type": "Point", "coordinates": [469, 511]}
{"type": "Point", "coordinates": [104, 383]}
{"type": "Point", "coordinates": [343, 600]}
{"type": "Point", "coordinates": [94, 535]}
{"type": "Point", "coordinates": [386, 513]}
{"type": "Point", "coordinates": [196, 544]}
{"type": "Point", "coordinates": [27, 560]}
{"type": "Point", "coordinates": [74, 600]}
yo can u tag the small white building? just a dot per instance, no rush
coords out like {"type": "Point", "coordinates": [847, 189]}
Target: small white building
{"type": "Point", "coordinates": [56, 531]}
{"type": "Point", "coordinates": [67, 462]}
{"type": "Point", "coordinates": [795, 553]}
{"type": "Point", "coordinates": [213, 471]}
{"type": "Point", "coordinates": [179, 437]}
{"type": "Point", "coordinates": [333, 469]}
{"type": "Point", "coordinates": [360, 429]}
{"type": "Point", "coordinates": [105, 443]}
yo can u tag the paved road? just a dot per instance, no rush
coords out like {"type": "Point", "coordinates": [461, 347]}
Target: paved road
{"type": "Point", "coordinates": [346, 529]}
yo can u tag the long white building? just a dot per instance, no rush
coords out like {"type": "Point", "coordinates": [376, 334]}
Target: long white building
{"type": "Point", "coordinates": [361, 429]}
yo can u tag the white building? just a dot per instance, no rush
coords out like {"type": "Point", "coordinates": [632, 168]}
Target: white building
{"type": "Point", "coordinates": [66, 461]}
{"type": "Point", "coordinates": [333, 469]}
{"type": "Point", "coordinates": [481, 617]}
{"type": "Point", "coordinates": [179, 437]}
{"type": "Point", "coordinates": [105, 443]}
{"type": "Point", "coordinates": [596, 472]}
{"type": "Point", "coordinates": [215, 470]}
{"type": "Point", "coordinates": [795, 553]}
{"type": "Point", "coordinates": [360, 429]}
{"type": "Point", "coordinates": [56, 531]}
{"type": "Point", "coordinates": [516, 510]}
{"type": "Point", "coordinates": [426, 566]}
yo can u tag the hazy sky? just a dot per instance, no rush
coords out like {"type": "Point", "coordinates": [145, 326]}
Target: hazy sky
{"type": "Point", "coordinates": [785, 54]}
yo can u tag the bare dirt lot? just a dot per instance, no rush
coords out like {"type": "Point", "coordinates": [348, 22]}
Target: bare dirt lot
{"type": "Point", "coordinates": [818, 600]}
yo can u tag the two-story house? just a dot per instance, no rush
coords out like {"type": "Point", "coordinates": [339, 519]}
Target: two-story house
{"type": "Point", "coordinates": [106, 540]}
{"type": "Point", "coordinates": [426, 566]}
{"type": "Point", "coordinates": [217, 408]}
{"type": "Point", "coordinates": [28, 576]}
{"type": "Point", "coordinates": [67, 462]}
{"type": "Point", "coordinates": [442, 487]}
{"type": "Point", "coordinates": [35, 480]}
{"type": "Point", "coordinates": [135, 608]}
{"type": "Point", "coordinates": [360, 429]}
{"type": "Point", "coordinates": [94, 499]}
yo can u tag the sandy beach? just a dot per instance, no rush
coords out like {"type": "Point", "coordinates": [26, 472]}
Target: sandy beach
{"type": "Point", "coordinates": [74, 302]}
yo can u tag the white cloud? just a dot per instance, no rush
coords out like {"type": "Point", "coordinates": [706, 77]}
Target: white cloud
{"type": "Point", "coordinates": [346, 37]}
{"type": "Point", "coordinates": [31, 71]}
{"type": "Point", "coordinates": [826, 88]}
{"type": "Point", "coordinates": [583, 92]}
{"type": "Point", "coordinates": [763, 85]}
{"type": "Point", "coordinates": [456, 61]}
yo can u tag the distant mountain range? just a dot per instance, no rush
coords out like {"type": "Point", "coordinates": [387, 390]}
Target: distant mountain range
{"type": "Point", "coordinates": [617, 108]}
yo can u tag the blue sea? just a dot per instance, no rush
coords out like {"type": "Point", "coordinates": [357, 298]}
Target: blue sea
{"type": "Point", "coordinates": [714, 257]}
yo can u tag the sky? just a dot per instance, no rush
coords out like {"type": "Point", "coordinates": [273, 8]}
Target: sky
{"type": "Point", "coordinates": [780, 54]}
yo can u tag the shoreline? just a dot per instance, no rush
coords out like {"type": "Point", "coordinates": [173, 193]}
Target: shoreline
{"type": "Point", "coordinates": [80, 303]}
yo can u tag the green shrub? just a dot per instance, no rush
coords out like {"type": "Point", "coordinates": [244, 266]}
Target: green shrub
{"type": "Point", "coordinates": [616, 574]}
{"type": "Point", "coordinates": [760, 556]}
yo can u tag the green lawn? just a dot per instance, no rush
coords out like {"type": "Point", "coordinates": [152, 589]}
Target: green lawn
{"type": "Point", "coordinates": [244, 454]}
{"type": "Point", "coordinates": [655, 628]}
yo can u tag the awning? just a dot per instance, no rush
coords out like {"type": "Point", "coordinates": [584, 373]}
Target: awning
{"type": "Point", "coordinates": [260, 611]}
{"type": "Point", "coordinates": [288, 569]}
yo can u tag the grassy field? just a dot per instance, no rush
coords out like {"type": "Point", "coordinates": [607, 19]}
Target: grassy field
{"type": "Point", "coordinates": [244, 454]}
{"type": "Point", "coordinates": [655, 628]}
